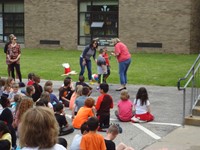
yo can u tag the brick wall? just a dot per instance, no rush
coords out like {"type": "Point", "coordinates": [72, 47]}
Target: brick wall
{"type": "Point", "coordinates": [156, 21]}
{"type": "Point", "coordinates": [51, 20]}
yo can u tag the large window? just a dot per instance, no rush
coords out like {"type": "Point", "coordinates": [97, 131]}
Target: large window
{"type": "Point", "coordinates": [98, 19]}
{"type": "Point", "coordinates": [12, 20]}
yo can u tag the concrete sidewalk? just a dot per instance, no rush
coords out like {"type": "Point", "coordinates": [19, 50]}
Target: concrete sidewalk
{"type": "Point", "coordinates": [164, 133]}
{"type": "Point", "coordinates": [183, 138]}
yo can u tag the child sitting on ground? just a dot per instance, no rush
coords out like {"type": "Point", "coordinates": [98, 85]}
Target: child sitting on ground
{"type": "Point", "coordinates": [38, 88]}
{"type": "Point", "coordinates": [142, 107]}
{"type": "Point", "coordinates": [53, 99]}
{"type": "Point", "coordinates": [15, 91]}
{"type": "Point", "coordinates": [76, 94]}
{"type": "Point", "coordinates": [125, 106]}
{"type": "Point", "coordinates": [30, 79]}
{"type": "Point", "coordinates": [77, 138]}
{"type": "Point", "coordinates": [103, 105]}
{"type": "Point", "coordinates": [66, 92]}
{"type": "Point", "coordinates": [65, 128]}
{"type": "Point", "coordinates": [92, 140]}
{"type": "Point", "coordinates": [79, 102]}
{"type": "Point", "coordinates": [84, 113]}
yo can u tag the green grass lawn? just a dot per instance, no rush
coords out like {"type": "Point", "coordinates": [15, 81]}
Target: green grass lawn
{"type": "Point", "coordinates": [147, 69]}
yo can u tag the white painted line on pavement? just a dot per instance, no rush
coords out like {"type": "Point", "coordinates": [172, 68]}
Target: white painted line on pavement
{"type": "Point", "coordinates": [147, 131]}
{"type": "Point", "coordinates": [167, 124]}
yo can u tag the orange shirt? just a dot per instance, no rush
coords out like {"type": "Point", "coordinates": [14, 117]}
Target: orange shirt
{"type": "Point", "coordinates": [92, 141]}
{"type": "Point", "coordinates": [82, 116]}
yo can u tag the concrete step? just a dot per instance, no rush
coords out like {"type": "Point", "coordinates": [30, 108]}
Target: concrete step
{"type": "Point", "coordinates": [192, 120]}
{"type": "Point", "coordinates": [196, 111]}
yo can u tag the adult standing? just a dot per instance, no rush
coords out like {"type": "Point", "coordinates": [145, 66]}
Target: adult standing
{"type": "Point", "coordinates": [88, 52]}
{"type": "Point", "coordinates": [13, 54]}
{"type": "Point", "coordinates": [5, 51]}
{"type": "Point", "coordinates": [123, 56]}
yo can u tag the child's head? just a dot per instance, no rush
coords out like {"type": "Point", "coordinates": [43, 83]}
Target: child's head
{"type": "Point", "coordinates": [79, 89]}
{"type": "Point", "coordinates": [81, 78]}
{"type": "Point", "coordinates": [104, 87]}
{"type": "Point", "coordinates": [89, 102]}
{"type": "Point", "coordinates": [17, 98]}
{"type": "Point", "coordinates": [25, 104]}
{"type": "Point", "coordinates": [36, 79]}
{"type": "Point", "coordinates": [113, 131]}
{"type": "Point", "coordinates": [30, 90]}
{"type": "Point", "coordinates": [48, 89]}
{"type": "Point", "coordinates": [59, 107]}
{"type": "Point", "coordinates": [3, 128]}
{"type": "Point", "coordinates": [45, 95]}
{"type": "Point", "coordinates": [142, 95]}
{"type": "Point", "coordinates": [40, 103]}
{"type": "Point", "coordinates": [93, 123]}
{"type": "Point", "coordinates": [10, 81]}
{"type": "Point", "coordinates": [15, 87]}
{"type": "Point", "coordinates": [105, 49]}
{"type": "Point", "coordinates": [41, 124]}
{"type": "Point", "coordinates": [67, 82]}
{"type": "Point", "coordinates": [84, 128]}
{"type": "Point", "coordinates": [101, 51]}
{"type": "Point", "coordinates": [31, 76]}
{"type": "Point", "coordinates": [85, 91]}
{"type": "Point", "coordinates": [124, 95]}
{"type": "Point", "coordinates": [48, 83]}
{"type": "Point", "coordinates": [62, 142]}
{"type": "Point", "coordinates": [4, 101]}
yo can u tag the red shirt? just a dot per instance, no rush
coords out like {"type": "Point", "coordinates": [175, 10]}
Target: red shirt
{"type": "Point", "coordinates": [106, 57]}
{"type": "Point", "coordinates": [122, 50]}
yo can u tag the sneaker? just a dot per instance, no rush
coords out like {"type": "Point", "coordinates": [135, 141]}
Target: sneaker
{"type": "Point", "coordinates": [97, 88]}
{"type": "Point", "coordinates": [134, 119]}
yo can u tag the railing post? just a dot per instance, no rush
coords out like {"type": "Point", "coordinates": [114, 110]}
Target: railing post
{"type": "Point", "coordinates": [192, 92]}
{"type": "Point", "coordinates": [183, 123]}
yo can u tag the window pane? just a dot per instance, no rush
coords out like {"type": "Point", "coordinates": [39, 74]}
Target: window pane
{"type": "Point", "coordinates": [0, 8]}
{"type": "Point", "coordinates": [14, 7]}
{"type": "Point", "coordinates": [84, 24]}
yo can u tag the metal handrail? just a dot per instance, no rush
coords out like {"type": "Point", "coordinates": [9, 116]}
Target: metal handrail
{"type": "Point", "coordinates": [189, 78]}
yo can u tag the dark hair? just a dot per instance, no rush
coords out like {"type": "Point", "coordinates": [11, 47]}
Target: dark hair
{"type": "Point", "coordinates": [85, 90]}
{"type": "Point", "coordinates": [31, 75]}
{"type": "Point", "coordinates": [5, 144]}
{"type": "Point", "coordinates": [104, 87]}
{"type": "Point", "coordinates": [44, 101]}
{"type": "Point", "coordinates": [40, 103]}
{"type": "Point", "coordinates": [58, 107]}
{"type": "Point", "coordinates": [4, 101]}
{"type": "Point", "coordinates": [101, 51]}
{"type": "Point", "coordinates": [29, 89]}
{"type": "Point", "coordinates": [36, 78]}
{"type": "Point", "coordinates": [81, 78]}
{"type": "Point", "coordinates": [3, 127]}
{"type": "Point", "coordinates": [63, 142]}
{"type": "Point", "coordinates": [67, 82]}
{"type": "Point", "coordinates": [68, 77]}
{"type": "Point", "coordinates": [84, 127]}
{"type": "Point", "coordinates": [93, 123]}
{"type": "Point", "coordinates": [94, 41]}
{"type": "Point", "coordinates": [142, 95]}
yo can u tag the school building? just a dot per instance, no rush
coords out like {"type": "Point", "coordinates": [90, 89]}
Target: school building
{"type": "Point", "coordinates": [163, 26]}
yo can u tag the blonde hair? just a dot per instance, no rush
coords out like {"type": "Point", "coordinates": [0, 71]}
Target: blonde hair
{"type": "Point", "coordinates": [38, 128]}
{"type": "Point", "coordinates": [124, 95]}
{"type": "Point", "coordinates": [115, 40]}
{"type": "Point", "coordinates": [79, 89]}
{"type": "Point", "coordinates": [11, 36]}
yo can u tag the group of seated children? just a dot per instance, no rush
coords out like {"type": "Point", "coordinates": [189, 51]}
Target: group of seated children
{"type": "Point", "coordinates": [78, 100]}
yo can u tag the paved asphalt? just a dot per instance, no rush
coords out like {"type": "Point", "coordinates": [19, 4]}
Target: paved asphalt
{"type": "Point", "coordinates": [166, 105]}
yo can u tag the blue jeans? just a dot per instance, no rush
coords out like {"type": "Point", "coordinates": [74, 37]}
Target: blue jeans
{"type": "Point", "coordinates": [89, 68]}
{"type": "Point", "coordinates": [123, 67]}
